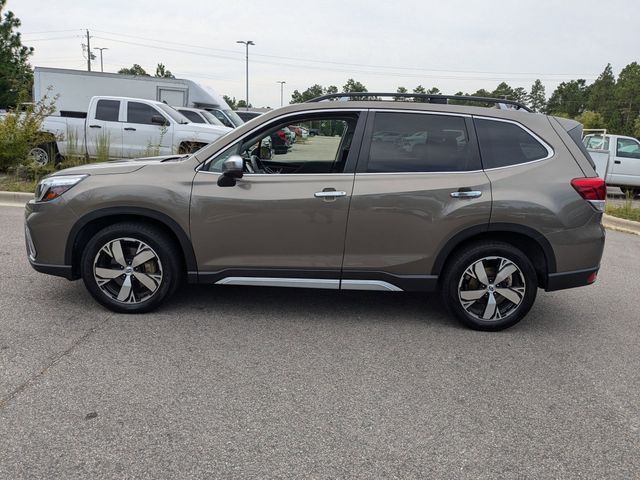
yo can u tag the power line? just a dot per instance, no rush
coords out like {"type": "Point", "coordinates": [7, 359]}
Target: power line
{"type": "Point", "coordinates": [52, 31]}
{"type": "Point", "coordinates": [27, 40]}
{"type": "Point", "coordinates": [297, 59]}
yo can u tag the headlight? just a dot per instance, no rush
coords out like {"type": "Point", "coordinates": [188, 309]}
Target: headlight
{"type": "Point", "coordinates": [52, 187]}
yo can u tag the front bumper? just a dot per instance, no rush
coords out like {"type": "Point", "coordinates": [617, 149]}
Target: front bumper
{"type": "Point", "coordinates": [64, 271]}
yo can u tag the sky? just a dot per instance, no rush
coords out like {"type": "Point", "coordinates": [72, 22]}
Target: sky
{"type": "Point", "coordinates": [455, 45]}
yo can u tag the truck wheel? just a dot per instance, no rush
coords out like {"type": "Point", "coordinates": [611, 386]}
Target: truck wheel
{"type": "Point", "coordinates": [489, 286]}
{"type": "Point", "coordinates": [631, 191]}
{"type": "Point", "coordinates": [43, 153]}
{"type": "Point", "coordinates": [131, 267]}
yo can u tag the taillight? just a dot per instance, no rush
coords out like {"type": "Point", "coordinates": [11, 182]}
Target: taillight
{"type": "Point", "coordinates": [593, 190]}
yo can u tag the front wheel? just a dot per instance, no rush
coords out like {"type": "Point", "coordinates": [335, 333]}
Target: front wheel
{"type": "Point", "coordinates": [130, 267]}
{"type": "Point", "coordinates": [490, 286]}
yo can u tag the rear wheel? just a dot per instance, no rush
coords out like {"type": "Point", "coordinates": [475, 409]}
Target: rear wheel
{"type": "Point", "coordinates": [43, 154]}
{"type": "Point", "coordinates": [490, 286]}
{"type": "Point", "coordinates": [130, 267]}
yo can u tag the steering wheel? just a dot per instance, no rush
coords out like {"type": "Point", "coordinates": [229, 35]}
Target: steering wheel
{"type": "Point", "coordinates": [257, 164]}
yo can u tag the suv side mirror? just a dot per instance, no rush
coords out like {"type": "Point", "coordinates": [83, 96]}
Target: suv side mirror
{"type": "Point", "coordinates": [231, 169]}
{"type": "Point", "coordinates": [159, 120]}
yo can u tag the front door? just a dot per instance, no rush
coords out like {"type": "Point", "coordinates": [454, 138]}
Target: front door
{"type": "Point", "coordinates": [284, 222]}
{"type": "Point", "coordinates": [626, 164]}
{"type": "Point", "coordinates": [141, 137]}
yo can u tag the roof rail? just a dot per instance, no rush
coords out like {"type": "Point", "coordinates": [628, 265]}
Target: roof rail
{"type": "Point", "coordinates": [430, 98]}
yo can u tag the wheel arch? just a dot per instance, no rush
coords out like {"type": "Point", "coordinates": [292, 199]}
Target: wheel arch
{"type": "Point", "coordinates": [92, 222]}
{"type": "Point", "coordinates": [527, 239]}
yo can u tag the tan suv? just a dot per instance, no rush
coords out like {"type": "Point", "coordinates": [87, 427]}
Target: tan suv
{"type": "Point", "coordinates": [485, 204]}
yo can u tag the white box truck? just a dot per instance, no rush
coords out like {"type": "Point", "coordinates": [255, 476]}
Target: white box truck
{"type": "Point", "coordinates": [75, 88]}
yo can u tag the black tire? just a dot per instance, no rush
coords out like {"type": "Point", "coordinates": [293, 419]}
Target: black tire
{"type": "Point", "coordinates": [44, 153]}
{"type": "Point", "coordinates": [522, 285]}
{"type": "Point", "coordinates": [165, 264]}
{"type": "Point", "coordinates": [631, 191]}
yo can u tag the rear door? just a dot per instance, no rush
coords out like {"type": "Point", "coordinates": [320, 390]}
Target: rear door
{"type": "Point", "coordinates": [418, 183]}
{"type": "Point", "coordinates": [104, 130]}
{"type": "Point", "coordinates": [626, 163]}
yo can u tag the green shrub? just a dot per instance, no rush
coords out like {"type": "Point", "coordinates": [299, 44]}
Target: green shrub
{"type": "Point", "coordinates": [20, 132]}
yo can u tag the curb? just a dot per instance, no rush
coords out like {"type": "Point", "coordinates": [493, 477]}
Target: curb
{"type": "Point", "coordinates": [620, 224]}
{"type": "Point", "coordinates": [16, 199]}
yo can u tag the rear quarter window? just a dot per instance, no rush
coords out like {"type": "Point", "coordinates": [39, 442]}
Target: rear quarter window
{"type": "Point", "coordinates": [503, 144]}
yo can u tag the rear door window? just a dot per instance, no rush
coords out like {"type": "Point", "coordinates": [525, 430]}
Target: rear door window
{"type": "Point", "coordinates": [417, 142]}
{"type": "Point", "coordinates": [503, 144]}
{"type": "Point", "coordinates": [108, 110]}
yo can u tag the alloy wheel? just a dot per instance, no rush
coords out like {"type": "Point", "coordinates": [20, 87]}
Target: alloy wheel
{"type": "Point", "coordinates": [127, 270]}
{"type": "Point", "coordinates": [491, 288]}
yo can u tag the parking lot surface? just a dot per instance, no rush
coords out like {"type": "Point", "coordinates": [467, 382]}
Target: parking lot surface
{"type": "Point", "coordinates": [232, 382]}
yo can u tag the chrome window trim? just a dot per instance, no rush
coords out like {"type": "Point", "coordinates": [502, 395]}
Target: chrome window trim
{"type": "Point", "coordinates": [275, 120]}
{"type": "Point", "coordinates": [457, 172]}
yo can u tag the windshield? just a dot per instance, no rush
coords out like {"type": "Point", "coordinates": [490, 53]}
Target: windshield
{"type": "Point", "coordinates": [173, 113]}
{"type": "Point", "coordinates": [237, 121]}
{"type": "Point", "coordinates": [211, 118]}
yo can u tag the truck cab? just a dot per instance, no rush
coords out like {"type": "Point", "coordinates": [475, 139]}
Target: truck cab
{"type": "Point", "coordinates": [617, 159]}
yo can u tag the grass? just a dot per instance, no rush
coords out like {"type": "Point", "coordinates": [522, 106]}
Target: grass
{"type": "Point", "coordinates": [10, 184]}
{"type": "Point", "coordinates": [626, 211]}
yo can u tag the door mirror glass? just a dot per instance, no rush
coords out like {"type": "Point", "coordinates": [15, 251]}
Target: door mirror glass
{"type": "Point", "coordinates": [231, 169]}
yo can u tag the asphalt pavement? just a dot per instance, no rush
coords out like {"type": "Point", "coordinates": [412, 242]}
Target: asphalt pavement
{"type": "Point", "coordinates": [235, 382]}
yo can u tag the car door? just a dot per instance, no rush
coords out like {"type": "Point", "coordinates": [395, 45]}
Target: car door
{"type": "Point", "coordinates": [104, 130]}
{"type": "Point", "coordinates": [284, 221]}
{"type": "Point", "coordinates": [626, 163]}
{"type": "Point", "coordinates": [419, 182]}
{"type": "Point", "coordinates": [141, 136]}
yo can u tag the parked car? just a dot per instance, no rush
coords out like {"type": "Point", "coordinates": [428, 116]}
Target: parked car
{"type": "Point", "coordinates": [248, 115]}
{"type": "Point", "coordinates": [126, 127]}
{"type": "Point", "coordinates": [313, 132]}
{"type": "Point", "coordinates": [494, 205]}
{"type": "Point", "coordinates": [617, 160]}
{"type": "Point", "coordinates": [198, 115]}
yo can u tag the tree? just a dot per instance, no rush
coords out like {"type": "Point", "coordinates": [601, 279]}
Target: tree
{"type": "Point", "coordinates": [162, 72]}
{"type": "Point", "coordinates": [569, 97]}
{"type": "Point", "coordinates": [537, 97]}
{"type": "Point", "coordinates": [400, 90]}
{"type": "Point", "coordinates": [627, 97]}
{"type": "Point", "coordinates": [230, 101]}
{"type": "Point", "coordinates": [16, 76]}
{"type": "Point", "coordinates": [591, 120]}
{"type": "Point", "coordinates": [353, 87]}
{"type": "Point", "coordinates": [242, 104]}
{"type": "Point", "coordinates": [331, 89]}
{"type": "Point", "coordinates": [312, 92]}
{"type": "Point", "coordinates": [503, 90]}
{"type": "Point", "coordinates": [520, 95]}
{"type": "Point", "coordinates": [420, 90]}
{"type": "Point", "coordinates": [134, 70]}
{"type": "Point", "coordinates": [434, 91]}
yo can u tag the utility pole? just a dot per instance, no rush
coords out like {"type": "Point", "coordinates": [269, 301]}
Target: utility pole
{"type": "Point", "coordinates": [281, 82]}
{"type": "Point", "coordinates": [247, 43]}
{"type": "Point", "coordinates": [101, 49]}
{"type": "Point", "coordinates": [88, 51]}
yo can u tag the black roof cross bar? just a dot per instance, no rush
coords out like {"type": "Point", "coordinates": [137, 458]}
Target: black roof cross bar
{"type": "Point", "coordinates": [430, 98]}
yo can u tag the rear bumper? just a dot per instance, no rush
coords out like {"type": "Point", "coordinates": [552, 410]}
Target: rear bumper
{"type": "Point", "coordinates": [577, 278]}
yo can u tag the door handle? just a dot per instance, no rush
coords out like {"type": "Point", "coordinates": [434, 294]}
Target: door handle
{"type": "Point", "coordinates": [130, 129]}
{"type": "Point", "coordinates": [466, 194]}
{"type": "Point", "coordinates": [617, 162]}
{"type": "Point", "coordinates": [329, 194]}
{"type": "Point", "coordinates": [95, 126]}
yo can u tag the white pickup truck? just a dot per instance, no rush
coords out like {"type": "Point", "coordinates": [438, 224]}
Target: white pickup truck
{"type": "Point", "coordinates": [617, 160]}
{"type": "Point", "coordinates": [121, 127]}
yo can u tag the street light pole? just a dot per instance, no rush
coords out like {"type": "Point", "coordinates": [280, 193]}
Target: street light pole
{"type": "Point", "coordinates": [281, 82]}
{"type": "Point", "coordinates": [247, 43]}
{"type": "Point", "coordinates": [101, 49]}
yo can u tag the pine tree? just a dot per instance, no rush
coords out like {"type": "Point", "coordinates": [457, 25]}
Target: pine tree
{"type": "Point", "coordinates": [16, 77]}
{"type": "Point", "coordinates": [537, 97]}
